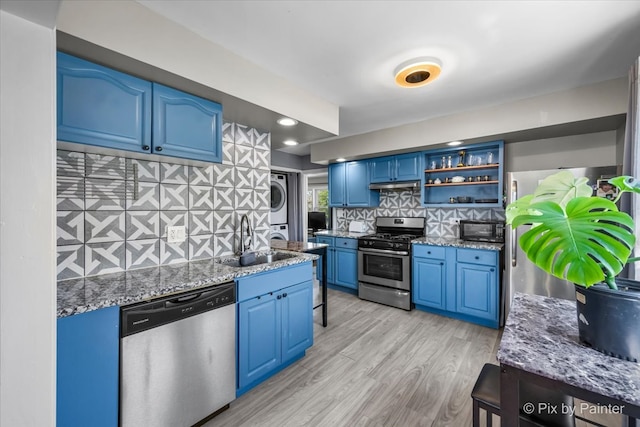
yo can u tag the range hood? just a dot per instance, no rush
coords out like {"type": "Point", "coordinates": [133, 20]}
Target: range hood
{"type": "Point", "coordinates": [395, 185]}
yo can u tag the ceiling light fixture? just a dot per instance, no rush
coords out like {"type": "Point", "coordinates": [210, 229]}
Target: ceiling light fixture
{"type": "Point", "coordinates": [341, 159]}
{"type": "Point", "coordinates": [286, 121]}
{"type": "Point", "coordinates": [454, 143]}
{"type": "Point", "coordinates": [417, 72]}
{"type": "Point", "coordinates": [290, 142]}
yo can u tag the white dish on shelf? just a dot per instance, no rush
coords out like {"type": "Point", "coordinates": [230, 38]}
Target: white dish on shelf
{"type": "Point", "coordinates": [457, 179]}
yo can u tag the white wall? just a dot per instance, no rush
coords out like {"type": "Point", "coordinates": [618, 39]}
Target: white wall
{"type": "Point", "coordinates": [593, 149]}
{"type": "Point", "coordinates": [27, 215]}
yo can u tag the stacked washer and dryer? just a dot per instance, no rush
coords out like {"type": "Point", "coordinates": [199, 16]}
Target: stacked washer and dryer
{"type": "Point", "coordinates": [279, 226]}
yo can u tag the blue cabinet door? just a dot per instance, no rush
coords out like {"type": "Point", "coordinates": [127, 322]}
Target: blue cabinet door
{"type": "Point", "coordinates": [477, 290]}
{"type": "Point", "coordinates": [357, 185]}
{"type": "Point", "coordinates": [330, 258]}
{"type": "Point", "coordinates": [337, 194]}
{"type": "Point", "coordinates": [381, 169]}
{"type": "Point", "coordinates": [100, 106]}
{"type": "Point", "coordinates": [259, 338]}
{"type": "Point", "coordinates": [297, 319]}
{"type": "Point", "coordinates": [186, 126]}
{"type": "Point", "coordinates": [346, 268]}
{"type": "Point", "coordinates": [88, 348]}
{"type": "Point", "coordinates": [408, 167]}
{"type": "Point", "coordinates": [429, 282]}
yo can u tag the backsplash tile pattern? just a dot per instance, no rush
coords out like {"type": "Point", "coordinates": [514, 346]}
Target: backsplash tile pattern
{"type": "Point", "coordinates": [407, 204]}
{"type": "Point", "coordinates": [106, 224]}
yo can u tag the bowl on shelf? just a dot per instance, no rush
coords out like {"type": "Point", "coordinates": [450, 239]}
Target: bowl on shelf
{"type": "Point", "coordinates": [464, 199]}
{"type": "Point", "coordinates": [457, 179]}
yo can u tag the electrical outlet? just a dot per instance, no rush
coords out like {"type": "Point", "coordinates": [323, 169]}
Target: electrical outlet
{"type": "Point", "coordinates": [454, 220]}
{"type": "Point", "coordinates": [176, 234]}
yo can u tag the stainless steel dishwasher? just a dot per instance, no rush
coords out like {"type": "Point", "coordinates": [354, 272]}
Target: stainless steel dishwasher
{"type": "Point", "coordinates": [177, 358]}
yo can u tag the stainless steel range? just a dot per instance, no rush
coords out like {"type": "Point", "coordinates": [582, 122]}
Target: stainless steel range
{"type": "Point", "coordinates": [384, 261]}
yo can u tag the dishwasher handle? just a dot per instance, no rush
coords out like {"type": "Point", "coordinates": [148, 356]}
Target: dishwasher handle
{"type": "Point", "coordinates": [141, 317]}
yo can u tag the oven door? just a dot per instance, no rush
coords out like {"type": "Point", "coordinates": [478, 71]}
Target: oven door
{"type": "Point", "coordinates": [386, 268]}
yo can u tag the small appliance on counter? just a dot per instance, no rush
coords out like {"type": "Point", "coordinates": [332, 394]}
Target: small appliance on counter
{"type": "Point", "coordinates": [357, 227]}
{"type": "Point", "coordinates": [482, 230]}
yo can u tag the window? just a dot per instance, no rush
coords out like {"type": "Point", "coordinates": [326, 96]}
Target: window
{"type": "Point", "coordinates": [318, 201]}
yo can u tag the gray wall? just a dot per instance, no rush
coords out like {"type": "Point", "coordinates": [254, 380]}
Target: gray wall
{"type": "Point", "coordinates": [292, 161]}
{"type": "Point", "coordinates": [594, 149]}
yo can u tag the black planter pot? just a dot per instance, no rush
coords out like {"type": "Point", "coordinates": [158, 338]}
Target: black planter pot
{"type": "Point", "coordinates": [609, 320]}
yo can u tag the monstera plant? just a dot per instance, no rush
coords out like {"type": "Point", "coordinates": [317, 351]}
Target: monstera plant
{"type": "Point", "coordinates": [586, 240]}
{"type": "Point", "coordinates": [574, 235]}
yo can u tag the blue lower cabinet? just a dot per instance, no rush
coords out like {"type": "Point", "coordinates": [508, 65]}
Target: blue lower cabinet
{"type": "Point", "coordinates": [346, 268]}
{"type": "Point", "coordinates": [457, 282]}
{"type": "Point", "coordinates": [275, 325]}
{"type": "Point", "coordinates": [88, 347]}
{"type": "Point", "coordinates": [342, 262]}
{"type": "Point", "coordinates": [476, 290]}
{"type": "Point", "coordinates": [429, 282]}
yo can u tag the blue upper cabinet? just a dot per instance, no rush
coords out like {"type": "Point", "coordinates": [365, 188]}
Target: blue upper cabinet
{"type": "Point", "coordinates": [185, 125]}
{"type": "Point", "coordinates": [99, 106]}
{"type": "Point", "coordinates": [103, 107]}
{"type": "Point", "coordinates": [403, 167]}
{"type": "Point", "coordinates": [349, 185]}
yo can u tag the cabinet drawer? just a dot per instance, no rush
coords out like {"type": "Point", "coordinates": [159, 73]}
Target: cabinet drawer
{"type": "Point", "coordinates": [342, 242]}
{"type": "Point", "coordinates": [326, 240]}
{"type": "Point", "coordinates": [476, 256]}
{"type": "Point", "coordinates": [270, 281]}
{"type": "Point", "coordinates": [426, 251]}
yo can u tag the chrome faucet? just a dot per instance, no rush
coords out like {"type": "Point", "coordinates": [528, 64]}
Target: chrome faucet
{"type": "Point", "coordinates": [244, 219]}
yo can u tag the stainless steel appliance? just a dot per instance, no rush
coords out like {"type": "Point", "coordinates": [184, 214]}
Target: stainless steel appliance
{"type": "Point", "coordinates": [178, 358]}
{"type": "Point", "coordinates": [521, 274]}
{"type": "Point", "coordinates": [482, 230]}
{"type": "Point", "coordinates": [384, 261]}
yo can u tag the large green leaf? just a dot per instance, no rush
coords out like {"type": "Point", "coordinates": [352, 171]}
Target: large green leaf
{"type": "Point", "coordinates": [626, 183]}
{"type": "Point", "coordinates": [577, 242]}
{"type": "Point", "coordinates": [518, 207]}
{"type": "Point", "coordinates": [562, 187]}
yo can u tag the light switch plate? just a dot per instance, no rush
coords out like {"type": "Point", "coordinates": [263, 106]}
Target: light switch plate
{"type": "Point", "coordinates": [176, 234]}
{"type": "Point", "coordinates": [454, 220]}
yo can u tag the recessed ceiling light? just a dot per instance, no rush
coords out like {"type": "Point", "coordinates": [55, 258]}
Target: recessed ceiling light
{"type": "Point", "coordinates": [286, 121]}
{"type": "Point", "coordinates": [341, 159]}
{"type": "Point", "coordinates": [454, 143]}
{"type": "Point", "coordinates": [417, 72]}
{"type": "Point", "coordinates": [290, 142]}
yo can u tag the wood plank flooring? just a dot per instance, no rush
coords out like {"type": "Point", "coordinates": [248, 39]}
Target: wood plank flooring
{"type": "Point", "coordinates": [377, 366]}
{"type": "Point", "coordinates": [373, 366]}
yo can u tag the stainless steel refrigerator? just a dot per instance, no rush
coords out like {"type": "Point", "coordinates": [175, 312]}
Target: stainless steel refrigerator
{"type": "Point", "coordinates": [521, 275]}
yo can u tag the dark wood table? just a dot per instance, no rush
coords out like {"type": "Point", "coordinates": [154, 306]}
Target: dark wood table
{"type": "Point", "coordinates": [310, 248]}
{"type": "Point", "coordinates": [540, 345]}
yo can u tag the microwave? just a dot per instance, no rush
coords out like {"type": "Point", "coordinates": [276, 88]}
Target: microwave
{"type": "Point", "coordinates": [482, 231]}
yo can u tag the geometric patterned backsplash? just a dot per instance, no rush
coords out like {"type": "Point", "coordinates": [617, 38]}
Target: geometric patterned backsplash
{"type": "Point", "coordinates": [406, 203]}
{"type": "Point", "coordinates": [112, 212]}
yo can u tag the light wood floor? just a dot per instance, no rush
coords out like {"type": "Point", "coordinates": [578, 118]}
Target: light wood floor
{"type": "Point", "coordinates": [373, 366]}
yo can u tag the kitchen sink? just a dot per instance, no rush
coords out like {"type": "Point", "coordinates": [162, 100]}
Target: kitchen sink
{"type": "Point", "coordinates": [260, 259]}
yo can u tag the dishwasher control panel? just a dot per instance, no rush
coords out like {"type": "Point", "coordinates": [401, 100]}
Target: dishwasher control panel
{"type": "Point", "coordinates": [148, 315]}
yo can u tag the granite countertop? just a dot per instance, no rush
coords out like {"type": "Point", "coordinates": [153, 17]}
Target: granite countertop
{"type": "Point", "coordinates": [77, 296]}
{"type": "Point", "coordinates": [295, 246]}
{"type": "Point", "coordinates": [541, 336]}
{"type": "Point", "coordinates": [335, 233]}
{"type": "Point", "coordinates": [441, 241]}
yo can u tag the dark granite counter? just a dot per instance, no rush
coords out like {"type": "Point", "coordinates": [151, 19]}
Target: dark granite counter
{"type": "Point", "coordinates": [288, 245]}
{"type": "Point", "coordinates": [335, 233]}
{"type": "Point", "coordinates": [91, 293]}
{"type": "Point", "coordinates": [541, 337]}
{"type": "Point", "coordinates": [441, 241]}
